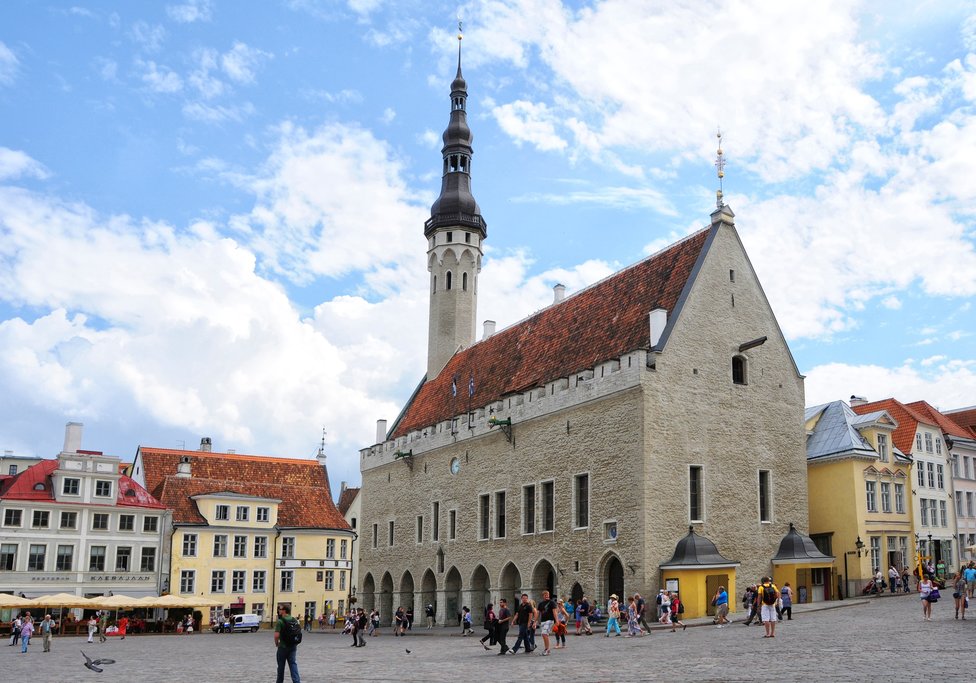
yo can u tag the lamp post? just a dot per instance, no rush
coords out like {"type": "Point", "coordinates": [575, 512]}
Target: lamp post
{"type": "Point", "coordinates": [859, 544]}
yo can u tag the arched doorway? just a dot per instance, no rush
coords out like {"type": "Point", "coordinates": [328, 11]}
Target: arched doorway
{"type": "Point", "coordinates": [543, 579]}
{"type": "Point", "coordinates": [576, 594]}
{"type": "Point", "coordinates": [405, 599]}
{"type": "Point", "coordinates": [452, 596]}
{"type": "Point", "coordinates": [368, 593]}
{"type": "Point", "coordinates": [510, 586]}
{"type": "Point", "coordinates": [613, 578]}
{"type": "Point", "coordinates": [480, 593]}
{"type": "Point", "coordinates": [385, 602]}
{"type": "Point", "coordinates": [428, 594]}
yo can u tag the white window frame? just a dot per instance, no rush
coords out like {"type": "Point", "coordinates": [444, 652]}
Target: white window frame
{"type": "Point", "coordinates": [871, 495]}
{"type": "Point", "coordinates": [495, 519]}
{"type": "Point", "coordinates": [527, 519]}
{"type": "Point", "coordinates": [484, 517]}
{"type": "Point", "coordinates": [542, 509]}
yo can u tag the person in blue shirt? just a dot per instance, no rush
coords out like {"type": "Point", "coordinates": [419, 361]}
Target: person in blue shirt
{"type": "Point", "coordinates": [721, 602]}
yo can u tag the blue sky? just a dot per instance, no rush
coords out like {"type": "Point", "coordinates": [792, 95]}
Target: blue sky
{"type": "Point", "coordinates": [211, 213]}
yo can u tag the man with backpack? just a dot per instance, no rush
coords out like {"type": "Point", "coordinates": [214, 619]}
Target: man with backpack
{"type": "Point", "coordinates": [287, 636]}
{"type": "Point", "coordinates": [768, 595]}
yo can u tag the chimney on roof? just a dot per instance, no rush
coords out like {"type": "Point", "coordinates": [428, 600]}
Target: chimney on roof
{"type": "Point", "coordinates": [857, 401]}
{"type": "Point", "coordinates": [183, 467]}
{"type": "Point", "coordinates": [380, 431]}
{"type": "Point", "coordinates": [558, 293]}
{"type": "Point", "coordinates": [72, 437]}
{"type": "Point", "coordinates": [658, 321]}
{"type": "Point", "coordinates": [206, 445]}
{"type": "Point", "coordinates": [489, 328]}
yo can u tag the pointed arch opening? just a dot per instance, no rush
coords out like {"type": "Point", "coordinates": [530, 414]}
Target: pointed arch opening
{"type": "Point", "coordinates": [368, 592]}
{"type": "Point", "coordinates": [610, 578]}
{"type": "Point", "coordinates": [543, 578]}
{"type": "Point", "coordinates": [510, 585]}
{"type": "Point", "coordinates": [405, 599]}
{"type": "Point", "coordinates": [384, 601]}
{"type": "Point", "coordinates": [428, 590]}
{"type": "Point", "coordinates": [452, 596]}
{"type": "Point", "coordinates": [480, 593]}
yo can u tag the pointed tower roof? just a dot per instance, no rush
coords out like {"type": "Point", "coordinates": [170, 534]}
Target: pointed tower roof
{"type": "Point", "coordinates": [456, 206]}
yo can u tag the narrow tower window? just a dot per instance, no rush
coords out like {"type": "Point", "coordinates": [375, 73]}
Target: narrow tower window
{"type": "Point", "coordinates": [448, 279]}
{"type": "Point", "coordinates": [738, 367]}
{"type": "Point", "coordinates": [464, 282]}
{"type": "Point", "coordinates": [434, 288]}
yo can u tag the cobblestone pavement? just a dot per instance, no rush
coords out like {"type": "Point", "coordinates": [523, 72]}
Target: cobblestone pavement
{"type": "Point", "coordinates": [868, 639]}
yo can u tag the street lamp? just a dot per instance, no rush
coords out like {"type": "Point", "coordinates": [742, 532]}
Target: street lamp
{"type": "Point", "coordinates": [859, 544]}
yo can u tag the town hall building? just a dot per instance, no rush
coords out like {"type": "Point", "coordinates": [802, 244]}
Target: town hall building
{"type": "Point", "coordinates": [643, 432]}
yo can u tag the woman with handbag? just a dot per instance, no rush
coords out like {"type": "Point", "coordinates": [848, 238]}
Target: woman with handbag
{"type": "Point", "coordinates": [929, 595]}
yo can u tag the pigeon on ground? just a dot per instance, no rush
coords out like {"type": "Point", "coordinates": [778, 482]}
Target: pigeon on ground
{"type": "Point", "coordinates": [408, 651]}
{"type": "Point", "coordinates": [93, 664]}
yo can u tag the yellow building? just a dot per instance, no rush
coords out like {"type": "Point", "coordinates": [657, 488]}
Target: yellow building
{"type": "Point", "coordinates": [251, 532]}
{"type": "Point", "coordinates": [859, 489]}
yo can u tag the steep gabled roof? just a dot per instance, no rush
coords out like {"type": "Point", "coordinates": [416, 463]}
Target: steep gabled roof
{"type": "Point", "coordinates": [603, 321]}
{"type": "Point", "coordinates": [906, 417]}
{"type": "Point", "coordinates": [301, 485]}
{"type": "Point", "coordinates": [346, 499]}
{"type": "Point", "coordinates": [964, 417]}
{"type": "Point", "coordinates": [947, 425]}
{"type": "Point", "coordinates": [25, 486]}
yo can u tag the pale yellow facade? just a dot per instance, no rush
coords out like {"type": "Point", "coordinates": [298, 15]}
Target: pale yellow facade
{"type": "Point", "coordinates": [245, 563]}
{"type": "Point", "coordinates": [863, 496]}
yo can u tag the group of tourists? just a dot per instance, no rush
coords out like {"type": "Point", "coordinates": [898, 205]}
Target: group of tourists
{"type": "Point", "coordinates": [23, 628]}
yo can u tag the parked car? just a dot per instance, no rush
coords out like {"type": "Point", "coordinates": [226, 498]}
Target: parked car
{"type": "Point", "coordinates": [237, 623]}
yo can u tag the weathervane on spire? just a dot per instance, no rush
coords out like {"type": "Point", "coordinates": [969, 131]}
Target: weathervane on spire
{"type": "Point", "coordinates": [322, 446]}
{"type": "Point", "coordinates": [720, 166]}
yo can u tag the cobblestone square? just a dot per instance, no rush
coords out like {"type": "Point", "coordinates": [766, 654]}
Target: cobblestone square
{"type": "Point", "coordinates": [870, 639]}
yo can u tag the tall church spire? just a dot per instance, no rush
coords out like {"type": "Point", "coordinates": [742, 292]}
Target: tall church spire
{"type": "Point", "coordinates": [454, 232]}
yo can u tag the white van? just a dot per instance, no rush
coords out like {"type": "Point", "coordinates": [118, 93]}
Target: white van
{"type": "Point", "coordinates": [239, 622]}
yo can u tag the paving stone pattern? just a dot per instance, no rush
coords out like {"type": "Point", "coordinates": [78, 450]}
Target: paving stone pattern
{"type": "Point", "coordinates": [872, 639]}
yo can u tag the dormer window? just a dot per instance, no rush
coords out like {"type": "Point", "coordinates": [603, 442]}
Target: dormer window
{"type": "Point", "coordinates": [739, 375]}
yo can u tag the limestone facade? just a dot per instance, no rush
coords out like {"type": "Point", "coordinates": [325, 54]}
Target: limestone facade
{"type": "Point", "coordinates": [663, 434]}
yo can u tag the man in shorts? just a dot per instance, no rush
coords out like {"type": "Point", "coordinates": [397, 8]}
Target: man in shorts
{"type": "Point", "coordinates": [970, 575]}
{"type": "Point", "coordinates": [547, 619]}
{"type": "Point", "coordinates": [767, 596]}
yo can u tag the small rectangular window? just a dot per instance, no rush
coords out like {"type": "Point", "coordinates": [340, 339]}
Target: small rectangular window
{"type": "Point", "coordinates": [189, 545]}
{"type": "Point", "coordinates": [484, 517]}
{"type": "Point", "coordinates": [260, 546]}
{"type": "Point", "coordinates": [65, 559]}
{"type": "Point", "coordinates": [150, 525]}
{"type": "Point", "coordinates": [452, 525]}
{"type": "Point", "coordinates": [885, 497]}
{"type": "Point", "coordinates": [12, 517]}
{"type": "Point", "coordinates": [100, 521]}
{"type": "Point", "coordinates": [500, 531]}
{"type": "Point", "coordinates": [435, 521]}
{"type": "Point", "coordinates": [940, 476]}
{"type": "Point", "coordinates": [329, 580]}
{"type": "Point", "coordinates": [263, 514]}
{"type": "Point", "coordinates": [127, 522]}
{"type": "Point", "coordinates": [288, 547]}
{"type": "Point", "coordinates": [765, 501]}
{"type": "Point", "coordinates": [900, 498]}
{"type": "Point", "coordinates": [450, 236]}
{"type": "Point", "coordinates": [220, 545]}
{"type": "Point", "coordinates": [872, 502]}
{"type": "Point", "coordinates": [581, 499]}
{"type": "Point", "coordinates": [287, 581]}
{"type": "Point", "coordinates": [928, 442]}
{"type": "Point", "coordinates": [123, 559]}
{"type": "Point", "coordinates": [930, 468]}
{"type": "Point", "coordinates": [96, 558]}
{"type": "Point", "coordinates": [330, 548]}
{"type": "Point", "coordinates": [148, 560]}
{"type": "Point", "coordinates": [528, 509]}
{"type": "Point", "coordinates": [71, 486]}
{"type": "Point", "coordinates": [883, 447]}
{"type": "Point", "coordinates": [258, 581]}
{"type": "Point", "coordinates": [695, 493]}
{"type": "Point", "coordinates": [40, 519]}
{"type": "Point", "coordinates": [69, 520]}
{"type": "Point", "coordinates": [243, 512]}
{"type": "Point", "coordinates": [103, 489]}
{"type": "Point", "coordinates": [222, 513]}
{"type": "Point", "coordinates": [376, 535]}
{"type": "Point", "coordinates": [187, 581]}
{"type": "Point", "coordinates": [240, 546]}
{"type": "Point", "coordinates": [217, 581]}
{"type": "Point", "coordinates": [36, 555]}
{"type": "Point", "coordinates": [548, 506]}
{"type": "Point", "coordinates": [343, 549]}
{"type": "Point", "coordinates": [238, 581]}
{"type": "Point", "coordinates": [390, 534]}
{"type": "Point", "coordinates": [420, 528]}
{"type": "Point", "coordinates": [8, 557]}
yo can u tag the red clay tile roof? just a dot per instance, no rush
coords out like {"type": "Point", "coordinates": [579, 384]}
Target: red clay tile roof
{"type": "Point", "coordinates": [945, 424]}
{"type": "Point", "coordinates": [346, 499]}
{"type": "Point", "coordinates": [21, 487]}
{"type": "Point", "coordinates": [965, 417]}
{"type": "Point", "coordinates": [601, 322]}
{"type": "Point", "coordinates": [906, 417]}
{"type": "Point", "coordinates": [301, 485]}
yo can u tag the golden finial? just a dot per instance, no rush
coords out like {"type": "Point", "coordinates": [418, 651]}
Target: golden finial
{"type": "Point", "coordinates": [720, 165]}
